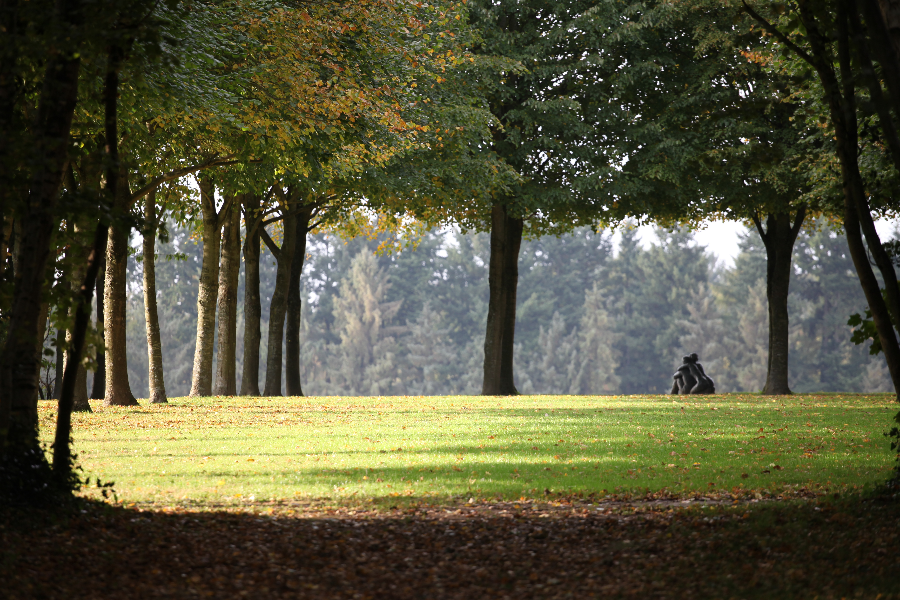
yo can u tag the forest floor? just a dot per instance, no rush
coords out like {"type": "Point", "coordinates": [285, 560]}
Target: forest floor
{"type": "Point", "coordinates": [820, 547]}
{"type": "Point", "coordinates": [449, 498]}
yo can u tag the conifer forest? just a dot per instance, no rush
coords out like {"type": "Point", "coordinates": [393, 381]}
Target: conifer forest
{"type": "Point", "coordinates": [320, 258]}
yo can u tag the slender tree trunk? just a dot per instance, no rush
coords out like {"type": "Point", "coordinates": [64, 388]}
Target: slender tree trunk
{"type": "Point", "coordinates": [779, 237]}
{"type": "Point", "coordinates": [295, 304]}
{"type": "Point", "coordinates": [278, 306]}
{"type": "Point", "coordinates": [80, 398]}
{"type": "Point", "coordinates": [252, 306]}
{"type": "Point", "coordinates": [62, 457]}
{"type": "Point", "coordinates": [503, 278]}
{"type": "Point", "coordinates": [78, 267]}
{"type": "Point", "coordinates": [57, 384]}
{"type": "Point", "coordinates": [19, 370]}
{"type": "Point", "coordinates": [842, 105]}
{"type": "Point", "coordinates": [98, 388]}
{"type": "Point", "coordinates": [151, 315]}
{"type": "Point", "coordinates": [228, 283]}
{"type": "Point", "coordinates": [201, 379]}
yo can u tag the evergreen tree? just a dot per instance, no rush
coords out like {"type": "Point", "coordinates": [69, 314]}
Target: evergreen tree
{"type": "Point", "coordinates": [364, 321]}
{"type": "Point", "coordinates": [434, 359]}
{"type": "Point", "coordinates": [599, 360]}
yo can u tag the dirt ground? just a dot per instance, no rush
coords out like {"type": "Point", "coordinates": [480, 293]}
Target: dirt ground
{"type": "Point", "coordinates": [818, 547]}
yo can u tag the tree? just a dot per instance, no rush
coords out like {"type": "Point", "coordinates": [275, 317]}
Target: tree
{"type": "Point", "coordinates": [534, 58]}
{"type": "Point", "coordinates": [213, 221]}
{"type": "Point", "coordinates": [836, 41]}
{"type": "Point", "coordinates": [157, 388]}
{"type": "Point", "coordinates": [730, 146]}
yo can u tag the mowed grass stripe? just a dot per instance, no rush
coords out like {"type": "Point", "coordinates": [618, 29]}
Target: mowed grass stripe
{"type": "Point", "coordinates": [221, 450]}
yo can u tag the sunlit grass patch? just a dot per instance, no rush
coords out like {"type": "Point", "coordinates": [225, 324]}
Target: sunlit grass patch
{"type": "Point", "coordinates": [437, 448]}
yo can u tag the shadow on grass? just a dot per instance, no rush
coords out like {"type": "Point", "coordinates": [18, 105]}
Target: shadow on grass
{"type": "Point", "coordinates": [829, 548]}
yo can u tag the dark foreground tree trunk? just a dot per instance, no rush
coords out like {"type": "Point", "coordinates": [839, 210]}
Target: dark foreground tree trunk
{"type": "Point", "coordinates": [292, 382]}
{"type": "Point", "coordinates": [503, 278]}
{"type": "Point", "coordinates": [19, 369]}
{"type": "Point", "coordinates": [151, 313]}
{"type": "Point", "coordinates": [57, 384]}
{"type": "Point", "coordinates": [98, 387]}
{"type": "Point", "coordinates": [62, 456]}
{"type": "Point", "coordinates": [228, 283]}
{"type": "Point", "coordinates": [779, 235]}
{"type": "Point", "coordinates": [252, 306]}
{"type": "Point", "coordinates": [201, 377]}
{"type": "Point", "coordinates": [278, 306]}
{"type": "Point", "coordinates": [80, 252]}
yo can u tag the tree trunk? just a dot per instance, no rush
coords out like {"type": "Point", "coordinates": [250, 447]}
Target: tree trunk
{"type": "Point", "coordinates": [98, 388]}
{"type": "Point", "coordinates": [503, 278]}
{"type": "Point", "coordinates": [252, 306]}
{"type": "Point", "coordinates": [151, 315]}
{"type": "Point", "coordinates": [50, 143]}
{"type": "Point", "coordinates": [201, 379]}
{"type": "Point", "coordinates": [78, 267]}
{"type": "Point", "coordinates": [278, 306]}
{"type": "Point", "coordinates": [57, 384]}
{"type": "Point", "coordinates": [118, 389]}
{"type": "Point", "coordinates": [62, 457]}
{"type": "Point", "coordinates": [228, 284]}
{"type": "Point", "coordinates": [295, 304]}
{"type": "Point", "coordinates": [842, 106]}
{"type": "Point", "coordinates": [779, 237]}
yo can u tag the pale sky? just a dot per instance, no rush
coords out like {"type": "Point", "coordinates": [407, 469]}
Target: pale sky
{"type": "Point", "coordinates": [721, 238]}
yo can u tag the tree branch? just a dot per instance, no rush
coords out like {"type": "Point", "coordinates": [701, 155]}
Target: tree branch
{"type": "Point", "coordinates": [275, 250]}
{"type": "Point", "coordinates": [759, 228]}
{"type": "Point", "coordinates": [213, 161]}
{"type": "Point", "coordinates": [781, 37]}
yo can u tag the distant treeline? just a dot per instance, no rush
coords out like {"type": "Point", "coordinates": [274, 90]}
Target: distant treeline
{"type": "Point", "coordinates": [590, 320]}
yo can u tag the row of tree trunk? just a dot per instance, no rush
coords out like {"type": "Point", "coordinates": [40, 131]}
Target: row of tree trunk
{"type": "Point", "coordinates": [217, 298]}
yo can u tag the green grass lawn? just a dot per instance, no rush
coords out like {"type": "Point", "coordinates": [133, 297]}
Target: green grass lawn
{"type": "Point", "coordinates": [434, 449]}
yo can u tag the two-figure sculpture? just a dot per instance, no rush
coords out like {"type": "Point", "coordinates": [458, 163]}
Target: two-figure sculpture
{"type": "Point", "coordinates": [690, 378]}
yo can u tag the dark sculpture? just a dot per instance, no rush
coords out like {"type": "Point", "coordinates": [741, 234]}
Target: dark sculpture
{"type": "Point", "coordinates": [691, 379]}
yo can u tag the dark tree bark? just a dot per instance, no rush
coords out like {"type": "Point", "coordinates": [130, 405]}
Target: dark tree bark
{"type": "Point", "coordinates": [278, 306]}
{"type": "Point", "coordinates": [779, 235]}
{"type": "Point", "coordinates": [78, 267]}
{"type": "Point", "coordinates": [98, 387]}
{"type": "Point", "coordinates": [293, 386]}
{"type": "Point", "coordinates": [229, 273]}
{"type": "Point", "coordinates": [62, 457]}
{"type": "Point", "coordinates": [252, 305]}
{"type": "Point", "coordinates": [19, 370]}
{"type": "Point", "coordinates": [503, 279]}
{"type": "Point", "coordinates": [57, 384]}
{"type": "Point", "coordinates": [207, 294]}
{"type": "Point", "coordinates": [151, 314]}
